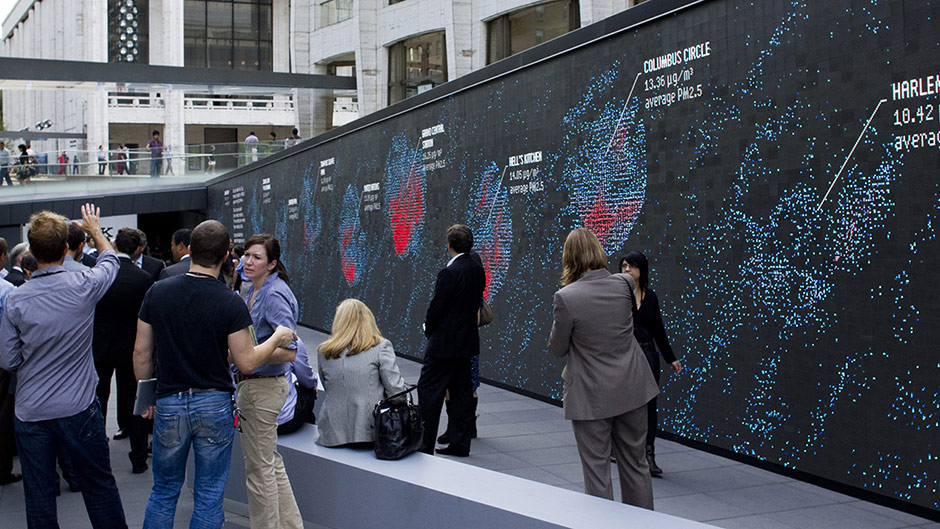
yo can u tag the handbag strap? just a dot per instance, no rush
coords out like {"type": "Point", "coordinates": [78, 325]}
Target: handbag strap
{"type": "Point", "coordinates": [399, 394]}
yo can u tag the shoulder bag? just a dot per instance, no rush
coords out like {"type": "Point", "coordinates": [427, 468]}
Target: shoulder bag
{"type": "Point", "coordinates": [398, 429]}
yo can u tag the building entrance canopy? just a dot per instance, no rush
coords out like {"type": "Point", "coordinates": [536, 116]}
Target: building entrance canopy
{"type": "Point", "coordinates": [41, 74]}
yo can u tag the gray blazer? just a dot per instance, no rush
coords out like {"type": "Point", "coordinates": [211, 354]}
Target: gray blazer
{"type": "Point", "coordinates": [607, 373]}
{"type": "Point", "coordinates": [353, 386]}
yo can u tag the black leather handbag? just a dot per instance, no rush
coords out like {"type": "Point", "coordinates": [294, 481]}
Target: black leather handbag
{"type": "Point", "coordinates": [398, 428]}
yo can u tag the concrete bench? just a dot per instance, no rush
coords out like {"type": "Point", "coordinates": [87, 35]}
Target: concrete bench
{"type": "Point", "coordinates": [346, 488]}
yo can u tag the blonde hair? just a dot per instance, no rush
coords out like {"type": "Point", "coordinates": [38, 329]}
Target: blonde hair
{"type": "Point", "coordinates": [582, 253]}
{"type": "Point", "coordinates": [354, 330]}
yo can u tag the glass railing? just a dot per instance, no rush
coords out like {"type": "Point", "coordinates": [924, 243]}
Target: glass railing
{"type": "Point", "coordinates": [81, 172]}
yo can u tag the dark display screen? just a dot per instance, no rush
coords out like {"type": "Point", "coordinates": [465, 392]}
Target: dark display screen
{"type": "Point", "coordinates": [776, 161]}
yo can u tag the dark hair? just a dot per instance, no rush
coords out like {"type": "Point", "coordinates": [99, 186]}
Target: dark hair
{"type": "Point", "coordinates": [272, 248]}
{"type": "Point", "coordinates": [294, 131]}
{"type": "Point", "coordinates": [639, 261]}
{"type": "Point", "coordinates": [22, 147]}
{"type": "Point", "coordinates": [127, 240]}
{"type": "Point", "coordinates": [3, 246]}
{"type": "Point", "coordinates": [238, 251]}
{"type": "Point", "coordinates": [76, 237]}
{"type": "Point", "coordinates": [183, 236]}
{"type": "Point", "coordinates": [48, 236]}
{"type": "Point", "coordinates": [155, 133]}
{"type": "Point", "coordinates": [460, 238]}
{"type": "Point", "coordinates": [29, 262]}
{"type": "Point", "coordinates": [273, 134]}
{"type": "Point", "coordinates": [252, 133]}
{"type": "Point", "coordinates": [209, 243]}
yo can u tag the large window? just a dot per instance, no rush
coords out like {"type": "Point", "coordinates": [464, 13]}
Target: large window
{"type": "Point", "coordinates": [342, 105]}
{"type": "Point", "coordinates": [525, 28]}
{"type": "Point", "coordinates": [228, 34]}
{"type": "Point", "coordinates": [129, 31]}
{"type": "Point", "coordinates": [415, 65]}
{"type": "Point", "coordinates": [333, 11]}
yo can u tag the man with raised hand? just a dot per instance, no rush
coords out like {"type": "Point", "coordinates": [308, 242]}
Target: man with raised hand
{"type": "Point", "coordinates": [45, 336]}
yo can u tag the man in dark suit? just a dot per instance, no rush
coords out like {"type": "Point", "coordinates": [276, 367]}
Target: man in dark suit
{"type": "Point", "coordinates": [113, 343]}
{"type": "Point", "coordinates": [451, 328]}
{"type": "Point", "coordinates": [17, 275]}
{"type": "Point", "coordinates": [151, 265]}
{"type": "Point", "coordinates": [180, 250]}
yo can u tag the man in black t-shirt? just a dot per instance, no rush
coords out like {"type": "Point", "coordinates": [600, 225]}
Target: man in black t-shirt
{"type": "Point", "coordinates": [193, 321]}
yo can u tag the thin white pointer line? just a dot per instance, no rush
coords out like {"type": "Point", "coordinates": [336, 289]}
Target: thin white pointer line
{"type": "Point", "coordinates": [499, 185]}
{"type": "Point", "coordinates": [625, 105]}
{"type": "Point", "coordinates": [847, 158]}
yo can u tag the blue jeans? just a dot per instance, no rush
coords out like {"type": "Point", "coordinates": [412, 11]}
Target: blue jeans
{"type": "Point", "coordinates": [203, 420]}
{"type": "Point", "coordinates": [83, 437]}
{"type": "Point", "coordinates": [156, 167]}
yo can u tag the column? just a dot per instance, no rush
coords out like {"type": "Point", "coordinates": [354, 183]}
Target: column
{"type": "Point", "coordinates": [95, 19]}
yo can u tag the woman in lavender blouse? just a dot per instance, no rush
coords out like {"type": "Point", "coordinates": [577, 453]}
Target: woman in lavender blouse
{"type": "Point", "coordinates": [262, 393]}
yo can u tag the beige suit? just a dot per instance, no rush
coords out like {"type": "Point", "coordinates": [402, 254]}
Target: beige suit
{"type": "Point", "coordinates": [353, 386]}
{"type": "Point", "coordinates": [607, 382]}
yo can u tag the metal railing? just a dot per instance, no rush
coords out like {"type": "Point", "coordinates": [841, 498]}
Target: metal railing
{"type": "Point", "coordinates": [102, 171]}
{"type": "Point", "coordinates": [208, 103]}
{"type": "Point", "coordinates": [203, 103]}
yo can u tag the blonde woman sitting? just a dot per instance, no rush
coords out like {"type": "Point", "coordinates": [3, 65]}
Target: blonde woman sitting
{"type": "Point", "coordinates": [357, 370]}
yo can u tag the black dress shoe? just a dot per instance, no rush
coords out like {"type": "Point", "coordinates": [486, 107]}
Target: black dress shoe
{"type": "Point", "coordinates": [453, 451]}
{"type": "Point", "coordinates": [139, 469]}
{"type": "Point", "coordinates": [12, 478]}
{"type": "Point", "coordinates": [443, 439]}
{"type": "Point", "coordinates": [121, 434]}
{"type": "Point", "coordinates": [655, 471]}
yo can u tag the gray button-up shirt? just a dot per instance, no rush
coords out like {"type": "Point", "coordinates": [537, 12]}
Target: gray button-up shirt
{"type": "Point", "coordinates": [45, 336]}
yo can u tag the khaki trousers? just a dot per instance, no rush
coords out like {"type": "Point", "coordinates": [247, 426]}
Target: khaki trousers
{"type": "Point", "coordinates": [271, 503]}
{"type": "Point", "coordinates": [627, 434]}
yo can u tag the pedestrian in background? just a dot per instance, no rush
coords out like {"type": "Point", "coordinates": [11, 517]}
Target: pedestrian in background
{"type": "Point", "coordinates": [5, 163]}
{"type": "Point", "coordinates": [102, 160]}
{"type": "Point", "coordinates": [650, 333]}
{"type": "Point", "coordinates": [155, 146]}
{"type": "Point", "coordinates": [168, 155]}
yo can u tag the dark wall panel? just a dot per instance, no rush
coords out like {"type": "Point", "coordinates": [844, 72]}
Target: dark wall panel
{"type": "Point", "coordinates": [775, 160]}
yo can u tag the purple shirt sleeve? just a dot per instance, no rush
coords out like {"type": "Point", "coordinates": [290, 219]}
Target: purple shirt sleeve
{"type": "Point", "coordinates": [11, 347]}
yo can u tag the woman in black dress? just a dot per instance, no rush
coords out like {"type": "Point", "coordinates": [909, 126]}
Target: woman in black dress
{"type": "Point", "coordinates": [650, 332]}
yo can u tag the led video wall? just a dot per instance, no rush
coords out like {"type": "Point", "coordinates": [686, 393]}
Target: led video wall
{"type": "Point", "coordinates": [776, 161]}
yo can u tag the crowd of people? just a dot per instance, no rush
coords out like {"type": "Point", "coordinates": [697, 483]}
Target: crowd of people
{"type": "Point", "coordinates": [226, 360]}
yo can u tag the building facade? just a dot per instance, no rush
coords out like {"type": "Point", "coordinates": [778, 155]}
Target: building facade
{"type": "Point", "coordinates": [394, 48]}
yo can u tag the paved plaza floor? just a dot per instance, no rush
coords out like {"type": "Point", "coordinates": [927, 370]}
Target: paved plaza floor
{"type": "Point", "coordinates": [531, 439]}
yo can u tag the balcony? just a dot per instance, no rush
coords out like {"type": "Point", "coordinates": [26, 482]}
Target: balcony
{"type": "Point", "coordinates": [145, 108]}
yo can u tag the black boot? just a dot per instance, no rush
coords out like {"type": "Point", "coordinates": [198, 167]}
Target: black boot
{"type": "Point", "coordinates": [444, 439]}
{"type": "Point", "coordinates": [473, 422]}
{"type": "Point", "coordinates": [655, 471]}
